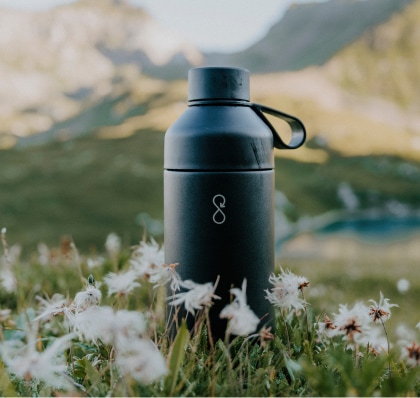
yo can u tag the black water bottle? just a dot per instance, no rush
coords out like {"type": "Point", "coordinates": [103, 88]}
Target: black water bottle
{"type": "Point", "coordinates": [219, 189]}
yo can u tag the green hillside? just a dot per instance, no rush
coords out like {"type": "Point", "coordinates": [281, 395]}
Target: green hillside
{"type": "Point", "coordinates": [85, 188]}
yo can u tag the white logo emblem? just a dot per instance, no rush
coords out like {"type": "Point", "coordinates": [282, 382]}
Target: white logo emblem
{"type": "Point", "coordinates": [219, 201]}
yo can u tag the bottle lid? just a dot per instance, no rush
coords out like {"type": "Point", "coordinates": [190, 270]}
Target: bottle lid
{"type": "Point", "coordinates": [218, 83]}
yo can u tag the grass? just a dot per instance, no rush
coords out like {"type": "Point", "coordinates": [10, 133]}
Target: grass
{"type": "Point", "coordinates": [81, 188]}
{"type": "Point", "coordinates": [294, 361]}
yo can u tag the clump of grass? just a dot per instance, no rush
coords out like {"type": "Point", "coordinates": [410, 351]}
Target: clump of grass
{"type": "Point", "coordinates": [98, 327]}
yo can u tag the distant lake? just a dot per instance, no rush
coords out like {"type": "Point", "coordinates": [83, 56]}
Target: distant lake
{"type": "Point", "coordinates": [367, 227]}
{"type": "Point", "coordinates": [375, 229]}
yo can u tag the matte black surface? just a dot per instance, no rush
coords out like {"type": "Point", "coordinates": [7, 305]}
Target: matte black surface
{"type": "Point", "coordinates": [218, 83]}
{"type": "Point", "coordinates": [219, 138]}
{"type": "Point", "coordinates": [234, 242]}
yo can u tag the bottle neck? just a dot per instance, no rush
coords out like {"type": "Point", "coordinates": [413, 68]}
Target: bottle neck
{"type": "Point", "coordinates": [219, 102]}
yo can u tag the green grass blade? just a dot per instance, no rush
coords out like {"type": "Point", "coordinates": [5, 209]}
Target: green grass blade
{"type": "Point", "coordinates": [176, 358]}
{"type": "Point", "coordinates": [6, 386]}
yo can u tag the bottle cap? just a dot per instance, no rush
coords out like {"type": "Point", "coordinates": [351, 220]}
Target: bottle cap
{"type": "Point", "coordinates": [218, 83]}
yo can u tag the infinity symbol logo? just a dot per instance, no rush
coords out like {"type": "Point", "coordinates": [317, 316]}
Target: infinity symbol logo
{"type": "Point", "coordinates": [219, 201]}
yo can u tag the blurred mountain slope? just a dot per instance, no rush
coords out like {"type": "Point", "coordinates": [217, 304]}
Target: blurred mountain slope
{"type": "Point", "coordinates": [365, 99]}
{"type": "Point", "coordinates": [384, 62]}
{"type": "Point", "coordinates": [64, 69]}
{"type": "Point", "coordinates": [56, 63]}
{"type": "Point", "coordinates": [310, 34]}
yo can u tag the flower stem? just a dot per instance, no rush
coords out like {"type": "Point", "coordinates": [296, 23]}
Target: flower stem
{"type": "Point", "coordinates": [387, 342]}
{"type": "Point", "coordinates": [287, 335]}
{"type": "Point", "coordinates": [306, 315]}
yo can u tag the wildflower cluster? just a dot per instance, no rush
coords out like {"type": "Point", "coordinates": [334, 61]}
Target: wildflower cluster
{"type": "Point", "coordinates": [356, 325]}
{"type": "Point", "coordinates": [111, 337]}
{"type": "Point", "coordinates": [126, 331]}
{"type": "Point", "coordinates": [134, 353]}
{"type": "Point", "coordinates": [84, 319]}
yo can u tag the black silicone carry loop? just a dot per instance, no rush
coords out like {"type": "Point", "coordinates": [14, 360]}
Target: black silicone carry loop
{"type": "Point", "coordinates": [297, 127]}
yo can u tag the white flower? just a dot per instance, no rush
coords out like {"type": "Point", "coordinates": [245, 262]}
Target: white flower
{"type": "Point", "coordinates": [8, 280]}
{"type": "Point", "coordinates": [376, 341]}
{"type": "Point", "coordinates": [196, 298]}
{"type": "Point", "coordinates": [113, 245]}
{"type": "Point", "coordinates": [87, 298]}
{"type": "Point", "coordinates": [130, 323]}
{"type": "Point", "coordinates": [13, 254]}
{"type": "Point", "coordinates": [165, 274]}
{"type": "Point", "coordinates": [50, 307]}
{"type": "Point", "coordinates": [27, 362]}
{"type": "Point", "coordinates": [93, 324]}
{"type": "Point", "coordinates": [382, 310]}
{"type": "Point", "coordinates": [7, 277]}
{"type": "Point", "coordinates": [403, 285]}
{"type": "Point", "coordinates": [241, 319]}
{"type": "Point", "coordinates": [411, 354]}
{"type": "Point", "coordinates": [102, 323]}
{"type": "Point", "coordinates": [285, 293]}
{"type": "Point", "coordinates": [140, 359]}
{"type": "Point", "coordinates": [43, 254]}
{"type": "Point", "coordinates": [95, 262]}
{"type": "Point", "coordinates": [327, 328]}
{"type": "Point", "coordinates": [122, 283]}
{"type": "Point", "coordinates": [353, 323]}
{"type": "Point", "coordinates": [405, 334]}
{"type": "Point", "coordinates": [148, 262]}
{"type": "Point", "coordinates": [147, 256]}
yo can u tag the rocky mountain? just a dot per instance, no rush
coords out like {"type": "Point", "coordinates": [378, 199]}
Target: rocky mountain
{"type": "Point", "coordinates": [310, 34]}
{"type": "Point", "coordinates": [55, 63]}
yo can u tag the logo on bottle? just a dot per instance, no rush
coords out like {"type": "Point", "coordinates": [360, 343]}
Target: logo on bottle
{"type": "Point", "coordinates": [219, 201]}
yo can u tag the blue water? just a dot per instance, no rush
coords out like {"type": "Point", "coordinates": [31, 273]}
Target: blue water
{"type": "Point", "coordinates": [367, 227]}
{"type": "Point", "coordinates": [374, 229]}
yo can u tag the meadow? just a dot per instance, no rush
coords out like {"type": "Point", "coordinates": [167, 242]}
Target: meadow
{"type": "Point", "coordinates": [84, 291]}
{"type": "Point", "coordinates": [75, 324]}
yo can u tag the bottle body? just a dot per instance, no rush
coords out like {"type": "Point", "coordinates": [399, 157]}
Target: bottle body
{"type": "Point", "coordinates": [220, 225]}
{"type": "Point", "coordinates": [218, 204]}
